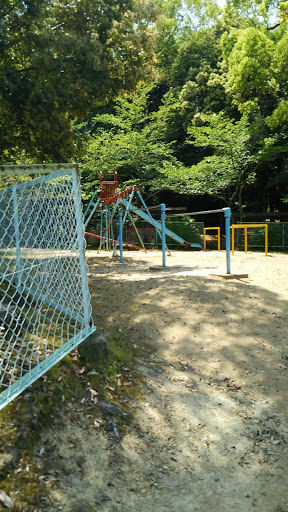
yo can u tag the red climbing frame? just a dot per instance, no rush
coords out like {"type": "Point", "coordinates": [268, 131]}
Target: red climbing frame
{"type": "Point", "coordinates": [109, 192]}
{"type": "Point", "coordinates": [108, 188]}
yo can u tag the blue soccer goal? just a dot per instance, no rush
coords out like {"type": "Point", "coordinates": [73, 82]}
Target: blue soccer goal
{"type": "Point", "coordinates": [45, 307]}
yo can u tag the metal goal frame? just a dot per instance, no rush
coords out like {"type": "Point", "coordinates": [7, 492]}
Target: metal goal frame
{"type": "Point", "coordinates": [45, 309]}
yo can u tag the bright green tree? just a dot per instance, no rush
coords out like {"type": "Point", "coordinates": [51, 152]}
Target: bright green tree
{"type": "Point", "coordinates": [230, 167]}
{"type": "Point", "coordinates": [130, 141]}
{"type": "Point", "coordinates": [250, 75]}
{"type": "Point", "coordinates": [264, 14]}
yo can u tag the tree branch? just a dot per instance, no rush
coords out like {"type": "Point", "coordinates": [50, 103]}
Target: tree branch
{"type": "Point", "coordinates": [12, 8]}
{"type": "Point", "coordinates": [274, 26]}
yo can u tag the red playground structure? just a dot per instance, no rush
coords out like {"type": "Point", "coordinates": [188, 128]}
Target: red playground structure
{"type": "Point", "coordinates": [109, 199]}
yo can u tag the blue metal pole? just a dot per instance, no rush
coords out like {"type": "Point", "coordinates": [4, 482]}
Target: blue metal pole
{"type": "Point", "coordinates": [227, 215]}
{"type": "Point", "coordinates": [87, 216]}
{"type": "Point", "coordinates": [120, 235]}
{"type": "Point", "coordinates": [106, 227]}
{"type": "Point", "coordinates": [128, 205]}
{"type": "Point", "coordinates": [101, 228]}
{"type": "Point", "coordinates": [110, 230]}
{"type": "Point", "coordinates": [81, 247]}
{"type": "Point", "coordinates": [17, 240]}
{"type": "Point", "coordinates": [163, 216]}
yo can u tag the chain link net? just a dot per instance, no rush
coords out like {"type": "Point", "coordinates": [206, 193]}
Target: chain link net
{"type": "Point", "coordinates": [45, 304]}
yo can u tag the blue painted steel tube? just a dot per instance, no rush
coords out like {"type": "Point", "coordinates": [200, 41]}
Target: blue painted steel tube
{"type": "Point", "coordinates": [17, 240]}
{"type": "Point", "coordinates": [120, 235]}
{"type": "Point", "coordinates": [37, 181]}
{"type": "Point", "coordinates": [148, 212]}
{"type": "Point", "coordinates": [114, 243]}
{"type": "Point", "coordinates": [157, 224]}
{"type": "Point", "coordinates": [91, 207]}
{"type": "Point", "coordinates": [106, 228]}
{"type": "Point", "coordinates": [163, 216]}
{"type": "Point", "coordinates": [127, 204]}
{"type": "Point", "coordinates": [33, 374]}
{"type": "Point", "coordinates": [227, 215]}
{"type": "Point", "coordinates": [90, 203]}
{"type": "Point", "coordinates": [81, 247]}
{"type": "Point", "coordinates": [101, 226]}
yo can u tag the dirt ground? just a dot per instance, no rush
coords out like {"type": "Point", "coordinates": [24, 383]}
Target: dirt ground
{"type": "Point", "coordinates": [205, 427]}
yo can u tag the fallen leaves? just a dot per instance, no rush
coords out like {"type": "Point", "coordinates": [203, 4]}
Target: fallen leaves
{"type": "Point", "coordinates": [93, 395]}
{"type": "Point", "coordinates": [5, 499]}
{"type": "Point", "coordinates": [79, 372]}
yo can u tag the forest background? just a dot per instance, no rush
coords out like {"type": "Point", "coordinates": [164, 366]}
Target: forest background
{"type": "Point", "coordinates": [184, 98]}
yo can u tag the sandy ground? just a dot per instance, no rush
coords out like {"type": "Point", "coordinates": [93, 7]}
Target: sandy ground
{"type": "Point", "coordinates": [207, 430]}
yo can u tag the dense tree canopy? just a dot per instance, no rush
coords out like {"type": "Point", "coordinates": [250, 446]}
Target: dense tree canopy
{"type": "Point", "coordinates": [176, 94]}
{"type": "Point", "coordinates": [58, 60]}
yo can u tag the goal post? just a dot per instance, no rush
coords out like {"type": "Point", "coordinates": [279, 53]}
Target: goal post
{"type": "Point", "coordinates": [45, 308]}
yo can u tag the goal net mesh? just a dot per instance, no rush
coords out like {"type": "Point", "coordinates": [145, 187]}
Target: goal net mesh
{"type": "Point", "coordinates": [45, 307]}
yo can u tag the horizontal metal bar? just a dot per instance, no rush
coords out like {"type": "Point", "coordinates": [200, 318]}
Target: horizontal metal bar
{"type": "Point", "coordinates": [157, 225]}
{"type": "Point", "coordinates": [249, 226]}
{"type": "Point", "coordinates": [46, 300]}
{"type": "Point", "coordinates": [196, 213]}
{"type": "Point", "coordinates": [54, 305]}
{"type": "Point", "coordinates": [37, 181]}
{"type": "Point", "coordinates": [44, 179]}
{"type": "Point", "coordinates": [32, 375]}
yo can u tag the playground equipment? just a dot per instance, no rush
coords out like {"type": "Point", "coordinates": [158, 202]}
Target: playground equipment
{"type": "Point", "coordinates": [110, 240]}
{"type": "Point", "coordinates": [218, 233]}
{"type": "Point", "coordinates": [113, 199]}
{"type": "Point", "coordinates": [246, 227]}
{"type": "Point", "coordinates": [45, 307]}
{"type": "Point", "coordinates": [111, 196]}
{"type": "Point", "coordinates": [227, 216]}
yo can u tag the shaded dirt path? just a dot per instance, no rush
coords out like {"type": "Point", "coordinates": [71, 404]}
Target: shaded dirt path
{"type": "Point", "coordinates": [205, 427]}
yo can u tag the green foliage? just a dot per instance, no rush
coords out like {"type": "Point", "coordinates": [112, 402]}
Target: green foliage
{"type": "Point", "coordinates": [279, 118]}
{"type": "Point", "coordinates": [167, 26]}
{"type": "Point", "coordinates": [200, 50]}
{"type": "Point", "coordinates": [201, 14]}
{"type": "Point", "coordinates": [230, 167]}
{"type": "Point", "coordinates": [129, 141]}
{"type": "Point", "coordinates": [283, 12]}
{"type": "Point", "coordinates": [71, 86]}
{"type": "Point", "coordinates": [250, 74]}
{"type": "Point", "coordinates": [279, 63]}
{"type": "Point", "coordinates": [252, 13]}
{"type": "Point", "coordinates": [60, 59]}
{"type": "Point", "coordinates": [177, 22]}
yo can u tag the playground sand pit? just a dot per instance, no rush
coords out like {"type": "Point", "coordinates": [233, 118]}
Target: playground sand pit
{"type": "Point", "coordinates": [209, 427]}
{"type": "Point", "coordinates": [196, 419]}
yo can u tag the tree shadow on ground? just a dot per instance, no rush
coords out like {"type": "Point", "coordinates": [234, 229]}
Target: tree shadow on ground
{"type": "Point", "coordinates": [217, 372]}
{"type": "Point", "coordinates": [209, 427]}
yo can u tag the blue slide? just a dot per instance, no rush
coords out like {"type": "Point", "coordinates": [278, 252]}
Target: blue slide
{"type": "Point", "coordinates": [157, 225]}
